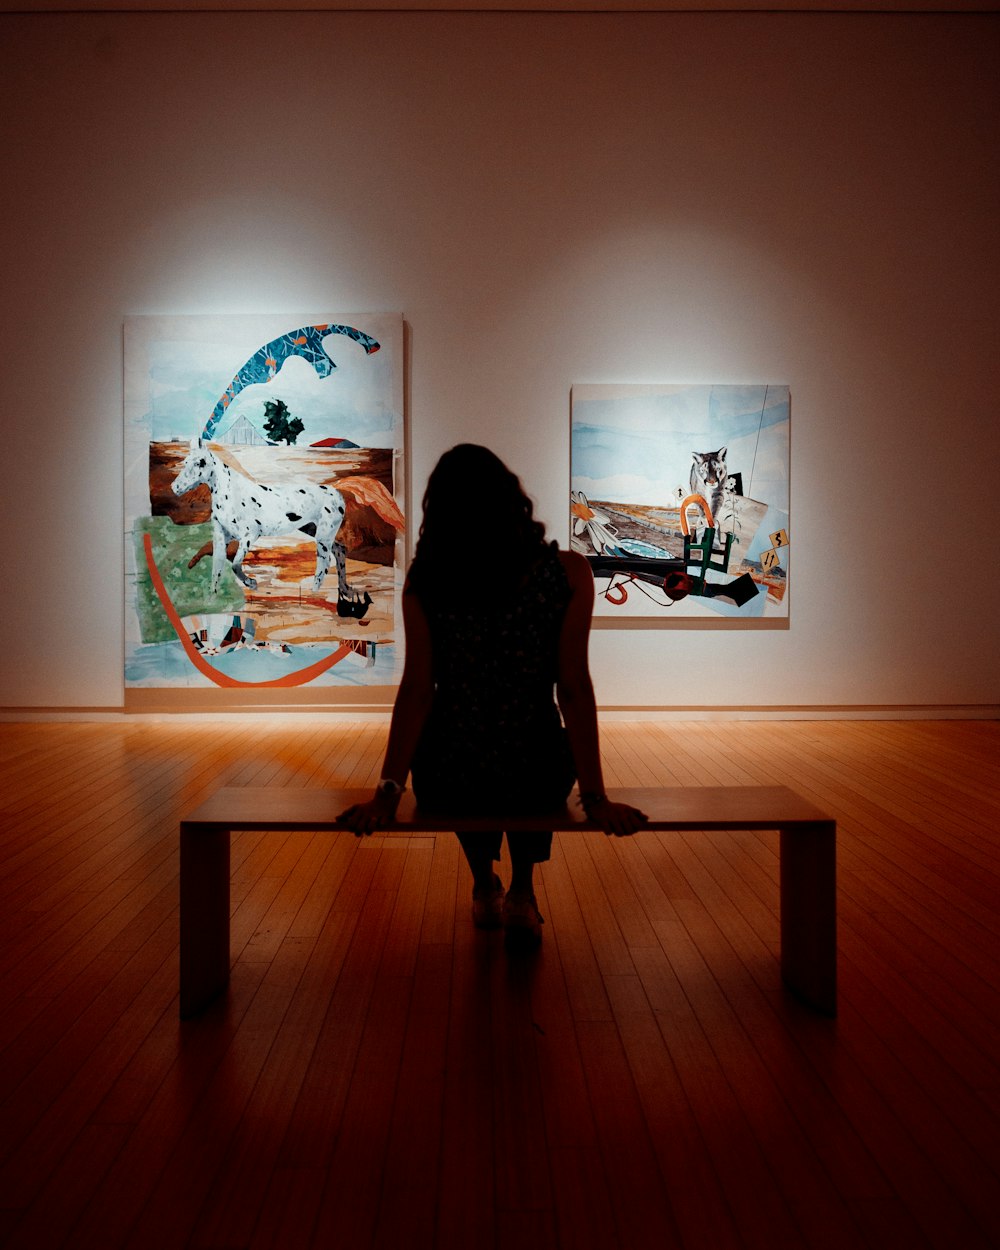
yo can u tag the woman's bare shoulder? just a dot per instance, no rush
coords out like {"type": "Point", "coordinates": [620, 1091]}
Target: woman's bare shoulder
{"type": "Point", "coordinates": [576, 566]}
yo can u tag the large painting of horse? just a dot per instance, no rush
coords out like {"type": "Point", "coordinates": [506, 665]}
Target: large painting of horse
{"type": "Point", "coordinates": [264, 507]}
{"type": "Point", "coordinates": [679, 499]}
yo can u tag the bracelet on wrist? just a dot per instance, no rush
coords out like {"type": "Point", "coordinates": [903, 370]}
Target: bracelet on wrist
{"type": "Point", "coordinates": [389, 789]}
{"type": "Point", "coordinates": [592, 798]}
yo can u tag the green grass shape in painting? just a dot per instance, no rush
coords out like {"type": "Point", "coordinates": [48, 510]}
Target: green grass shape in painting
{"type": "Point", "coordinates": [189, 589]}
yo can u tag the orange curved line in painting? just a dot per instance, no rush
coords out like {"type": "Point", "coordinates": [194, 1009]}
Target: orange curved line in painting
{"type": "Point", "coordinates": [617, 598]}
{"type": "Point", "coordinates": [298, 678]}
{"type": "Point", "coordinates": [701, 502]}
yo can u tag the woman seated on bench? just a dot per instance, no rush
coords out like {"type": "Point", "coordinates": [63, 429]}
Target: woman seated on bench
{"type": "Point", "coordinates": [495, 617]}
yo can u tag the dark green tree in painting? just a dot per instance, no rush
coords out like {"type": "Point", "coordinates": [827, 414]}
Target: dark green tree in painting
{"type": "Point", "coordinates": [280, 425]}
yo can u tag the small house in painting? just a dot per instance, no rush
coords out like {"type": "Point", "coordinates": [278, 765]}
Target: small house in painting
{"type": "Point", "coordinates": [244, 433]}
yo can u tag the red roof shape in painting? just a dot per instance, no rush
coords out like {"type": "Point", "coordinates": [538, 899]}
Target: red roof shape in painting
{"type": "Point", "coordinates": [334, 442]}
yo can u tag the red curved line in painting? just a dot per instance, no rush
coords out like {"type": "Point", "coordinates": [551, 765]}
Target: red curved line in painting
{"type": "Point", "coordinates": [298, 678]}
{"type": "Point", "coordinates": [618, 598]}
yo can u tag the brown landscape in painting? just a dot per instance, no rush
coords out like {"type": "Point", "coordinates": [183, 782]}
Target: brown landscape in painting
{"type": "Point", "coordinates": [661, 527]}
{"type": "Point", "coordinates": [287, 609]}
{"type": "Point", "coordinates": [365, 534]}
{"type": "Point", "coordinates": [284, 606]}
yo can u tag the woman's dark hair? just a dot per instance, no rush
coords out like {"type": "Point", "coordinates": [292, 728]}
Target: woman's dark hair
{"type": "Point", "coordinates": [478, 524]}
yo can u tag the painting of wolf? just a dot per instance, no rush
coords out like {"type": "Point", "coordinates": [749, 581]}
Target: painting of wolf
{"type": "Point", "coordinates": [679, 499]}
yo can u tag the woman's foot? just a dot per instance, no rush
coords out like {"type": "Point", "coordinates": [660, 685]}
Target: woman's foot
{"type": "Point", "coordinates": [522, 922]}
{"type": "Point", "coordinates": [488, 905]}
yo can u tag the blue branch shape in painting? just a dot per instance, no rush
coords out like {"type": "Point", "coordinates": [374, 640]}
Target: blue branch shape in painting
{"type": "Point", "coordinates": [267, 360]}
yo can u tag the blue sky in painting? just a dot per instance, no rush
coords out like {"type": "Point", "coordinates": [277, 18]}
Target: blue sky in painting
{"type": "Point", "coordinates": [187, 377]}
{"type": "Point", "coordinates": [634, 444]}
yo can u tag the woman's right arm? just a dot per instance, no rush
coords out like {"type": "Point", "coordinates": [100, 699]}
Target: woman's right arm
{"type": "Point", "coordinates": [409, 714]}
{"type": "Point", "coordinates": [416, 690]}
{"type": "Point", "coordinates": [575, 692]}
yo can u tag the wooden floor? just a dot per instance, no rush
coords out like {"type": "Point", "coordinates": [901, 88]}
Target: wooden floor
{"type": "Point", "coordinates": [382, 1075]}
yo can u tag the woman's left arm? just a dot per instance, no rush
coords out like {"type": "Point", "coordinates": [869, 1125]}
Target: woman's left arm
{"type": "Point", "coordinates": [409, 714]}
{"type": "Point", "coordinates": [575, 692]}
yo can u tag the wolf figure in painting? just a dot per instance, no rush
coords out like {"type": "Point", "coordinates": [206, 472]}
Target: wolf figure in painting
{"type": "Point", "coordinates": [244, 510]}
{"type": "Point", "coordinates": [708, 479]}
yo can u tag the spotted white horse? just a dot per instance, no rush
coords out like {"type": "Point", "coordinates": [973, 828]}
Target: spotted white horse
{"type": "Point", "coordinates": [244, 510]}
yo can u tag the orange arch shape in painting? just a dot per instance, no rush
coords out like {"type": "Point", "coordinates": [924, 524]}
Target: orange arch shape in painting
{"type": "Point", "coordinates": [702, 503]}
{"type": "Point", "coordinates": [298, 678]}
{"type": "Point", "coordinates": [616, 594]}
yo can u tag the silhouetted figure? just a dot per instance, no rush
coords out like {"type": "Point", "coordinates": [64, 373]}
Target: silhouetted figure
{"type": "Point", "coordinates": [496, 619]}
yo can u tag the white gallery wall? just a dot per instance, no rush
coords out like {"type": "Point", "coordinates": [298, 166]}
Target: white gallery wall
{"type": "Point", "coordinates": [548, 199]}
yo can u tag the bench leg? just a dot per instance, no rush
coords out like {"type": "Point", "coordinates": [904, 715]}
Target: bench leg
{"type": "Point", "coordinates": [809, 913]}
{"type": "Point", "coordinates": [204, 938]}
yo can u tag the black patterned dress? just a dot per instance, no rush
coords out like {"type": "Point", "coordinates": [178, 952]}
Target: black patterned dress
{"type": "Point", "coordinates": [494, 739]}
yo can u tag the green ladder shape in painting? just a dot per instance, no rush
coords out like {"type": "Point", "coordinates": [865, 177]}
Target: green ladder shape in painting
{"type": "Point", "coordinates": [704, 549]}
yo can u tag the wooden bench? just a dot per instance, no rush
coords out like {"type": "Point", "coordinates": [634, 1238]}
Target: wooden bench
{"type": "Point", "coordinates": [807, 850]}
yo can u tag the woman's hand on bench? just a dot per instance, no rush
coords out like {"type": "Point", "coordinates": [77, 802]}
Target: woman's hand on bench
{"type": "Point", "coordinates": [617, 820]}
{"type": "Point", "coordinates": [364, 818]}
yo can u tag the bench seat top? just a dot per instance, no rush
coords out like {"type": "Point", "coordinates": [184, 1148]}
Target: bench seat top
{"type": "Point", "coordinates": [671, 807]}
